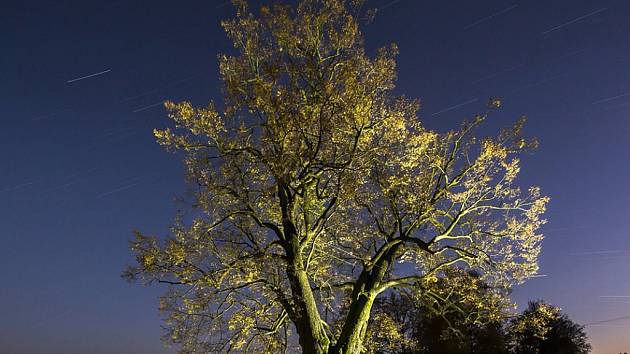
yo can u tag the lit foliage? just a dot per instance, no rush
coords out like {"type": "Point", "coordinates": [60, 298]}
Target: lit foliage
{"type": "Point", "coordinates": [316, 184]}
{"type": "Point", "coordinates": [544, 329]}
{"type": "Point", "coordinates": [404, 323]}
{"type": "Point", "coordinates": [536, 320]}
{"type": "Point", "coordinates": [442, 315]}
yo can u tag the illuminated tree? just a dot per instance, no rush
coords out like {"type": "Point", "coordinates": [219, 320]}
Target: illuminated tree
{"type": "Point", "coordinates": [402, 323]}
{"type": "Point", "coordinates": [319, 189]}
{"type": "Point", "coordinates": [544, 329]}
{"type": "Point", "coordinates": [455, 314]}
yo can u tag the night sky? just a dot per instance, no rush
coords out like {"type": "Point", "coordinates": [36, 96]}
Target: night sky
{"type": "Point", "coordinates": [81, 85]}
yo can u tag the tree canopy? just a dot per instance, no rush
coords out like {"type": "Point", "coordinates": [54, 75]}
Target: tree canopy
{"type": "Point", "coordinates": [318, 189]}
{"type": "Point", "coordinates": [407, 323]}
{"type": "Point", "coordinates": [469, 317]}
{"type": "Point", "coordinates": [544, 329]}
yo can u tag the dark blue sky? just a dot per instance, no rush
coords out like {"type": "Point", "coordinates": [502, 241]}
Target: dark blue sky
{"type": "Point", "coordinates": [79, 169]}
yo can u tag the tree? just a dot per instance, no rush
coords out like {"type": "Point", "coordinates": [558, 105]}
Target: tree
{"type": "Point", "coordinates": [455, 314]}
{"type": "Point", "coordinates": [319, 189]}
{"type": "Point", "coordinates": [544, 329]}
{"type": "Point", "coordinates": [404, 324]}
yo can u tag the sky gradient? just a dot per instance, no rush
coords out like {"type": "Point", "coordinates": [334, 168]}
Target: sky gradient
{"type": "Point", "coordinates": [82, 84]}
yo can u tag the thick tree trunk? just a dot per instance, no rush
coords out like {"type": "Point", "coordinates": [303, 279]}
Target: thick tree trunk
{"type": "Point", "coordinates": [355, 326]}
{"type": "Point", "coordinates": [365, 291]}
{"type": "Point", "coordinates": [311, 332]}
{"type": "Point", "coordinates": [305, 315]}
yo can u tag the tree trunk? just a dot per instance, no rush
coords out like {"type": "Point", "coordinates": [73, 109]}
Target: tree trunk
{"type": "Point", "coordinates": [355, 326]}
{"type": "Point", "coordinates": [311, 332]}
{"type": "Point", "coordinates": [365, 291]}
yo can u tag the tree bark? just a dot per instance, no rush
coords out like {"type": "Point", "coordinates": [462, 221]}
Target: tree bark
{"type": "Point", "coordinates": [311, 332]}
{"type": "Point", "coordinates": [306, 317]}
{"type": "Point", "coordinates": [355, 326]}
{"type": "Point", "coordinates": [363, 295]}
